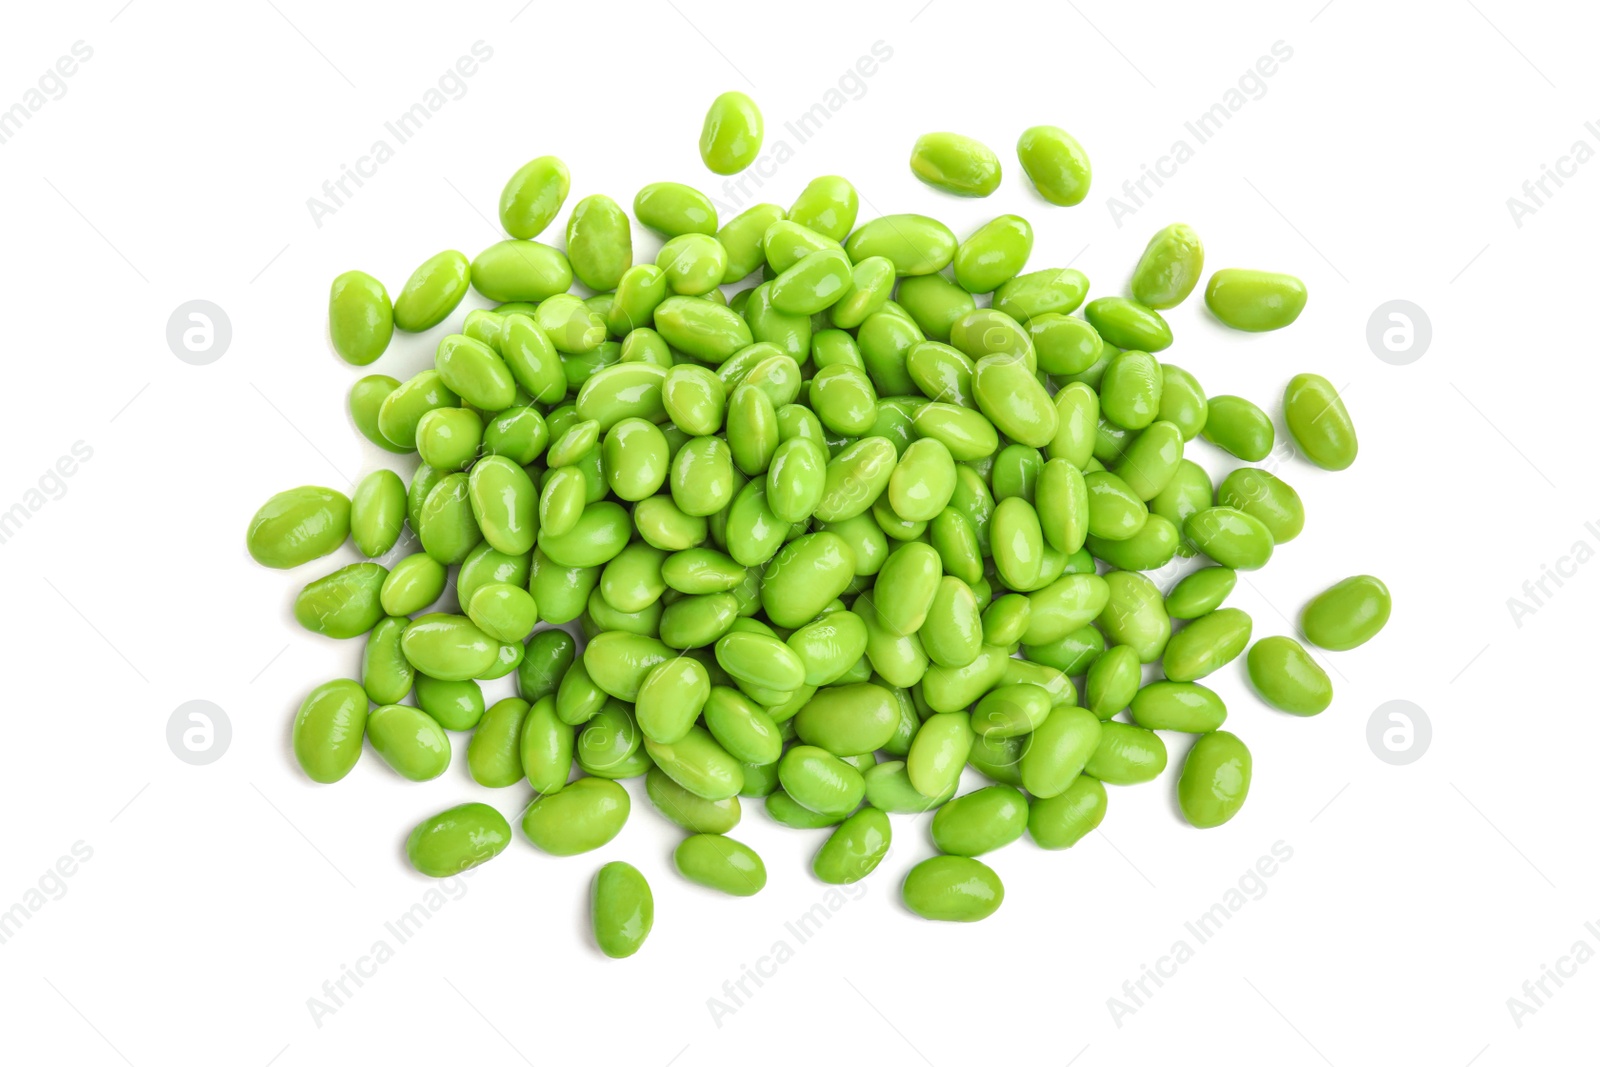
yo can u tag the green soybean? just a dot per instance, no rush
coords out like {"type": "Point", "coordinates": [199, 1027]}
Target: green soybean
{"type": "Point", "coordinates": [457, 839]}
{"type": "Point", "coordinates": [386, 674]}
{"type": "Point", "coordinates": [329, 728]}
{"type": "Point", "coordinates": [1284, 675]}
{"type": "Point", "coordinates": [621, 909]}
{"type": "Point", "coordinates": [432, 292]}
{"type": "Point", "coordinates": [1128, 324]}
{"type": "Point", "coordinates": [672, 209]}
{"type": "Point", "coordinates": [580, 818]}
{"type": "Point", "coordinates": [343, 604]}
{"type": "Point", "coordinates": [952, 889]}
{"type": "Point", "coordinates": [1319, 422]}
{"type": "Point", "coordinates": [994, 254]}
{"type": "Point", "coordinates": [1215, 779]}
{"type": "Point", "coordinates": [854, 849]}
{"type": "Point", "coordinates": [297, 526]}
{"type": "Point", "coordinates": [1063, 820]}
{"type": "Point", "coordinates": [720, 863]}
{"type": "Point", "coordinates": [1055, 163]}
{"type": "Point", "coordinates": [409, 741]}
{"type": "Point", "coordinates": [599, 243]}
{"type": "Point", "coordinates": [693, 813]}
{"type": "Point", "coordinates": [1169, 268]}
{"type": "Point", "coordinates": [730, 139]}
{"type": "Point", "coordinates": [1126, 755]}
{"type": "Point", "coordinates": [980, 821]}
{"type": "Point", "coordinates": [360, 317]}
{"type": "Point", "coordinates": [1200, 592]}
{"type": "Point", "coordinates": [1255, 300]}
{"type": "Point", "coordinates": [494, 755]}
{"type": "Point", "coordinates": [1206, 644]}
{"type": "Point", "coordinates": [956, 164]}
{"type": "Point", "coordinates": [1347, 614]}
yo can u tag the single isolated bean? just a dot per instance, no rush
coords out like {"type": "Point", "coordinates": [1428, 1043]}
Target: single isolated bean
{"type": "Point", "coordinates": [1318, 422]}
{"type": "Point", "coordinates": [360, 317]}
{"type": "Point", "coordinates": [432, 292]}
{"type": "Point", "coordinates": [297, 526]}
{"type": "Point", "coordinates": [854, 849]}
{"type": "Point", "coordinates": [720, 863]}
{"type": "Point", "coordinates": [952, 889]}
{"type": "Point", "coordinates": [1215, 779]}
{"type": "Point", "coordinates": [1255, 300]}
{"type": "Point", "coordinates": [1170, 267]}
{"type": "Point", "coordinates": [533, 197]}
{"type": "Point", "coordinates": [329, 728]}
{"type": "Point", "coordinates": [457, 840]}
{"type": "Point", "coordinates": [621, 909]}
{"type": "Point", "coordinates": [579, 818]}
{"type": "Point", "coordinates": [730, 139]}
{"type": "Point", "coordinates": [1347, 614]}
{"type": "Point", "coordinates": [1284, 675]}
{"type": "Point", "coordinates": [1055, 163]}
{"type": "Point", "coordinates": [956, 164]}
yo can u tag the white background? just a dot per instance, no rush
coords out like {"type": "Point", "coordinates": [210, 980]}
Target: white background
{"type": "Point", "coordinates": [219, 898]}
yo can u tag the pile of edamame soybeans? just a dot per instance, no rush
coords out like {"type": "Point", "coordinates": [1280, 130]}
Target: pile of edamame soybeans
{"type": "Point", "coordinates": [829, 540]}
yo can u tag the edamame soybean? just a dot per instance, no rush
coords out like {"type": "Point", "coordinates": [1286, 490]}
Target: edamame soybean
{"type": "Point", "coordinates": [1347, 614]}
{"type": "Point", "coordinates": [1215, 779]}
{"type": "Point", "coordinates": [952, 889]}
{"type": "Point", "coordinates": [825, 513]}
{"type": "Point", "coordinates": [621, 909]}
{"type": "Point", "coordinates": [956, 164]}
{"type": "Point", "coordinates": [457, 840]}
